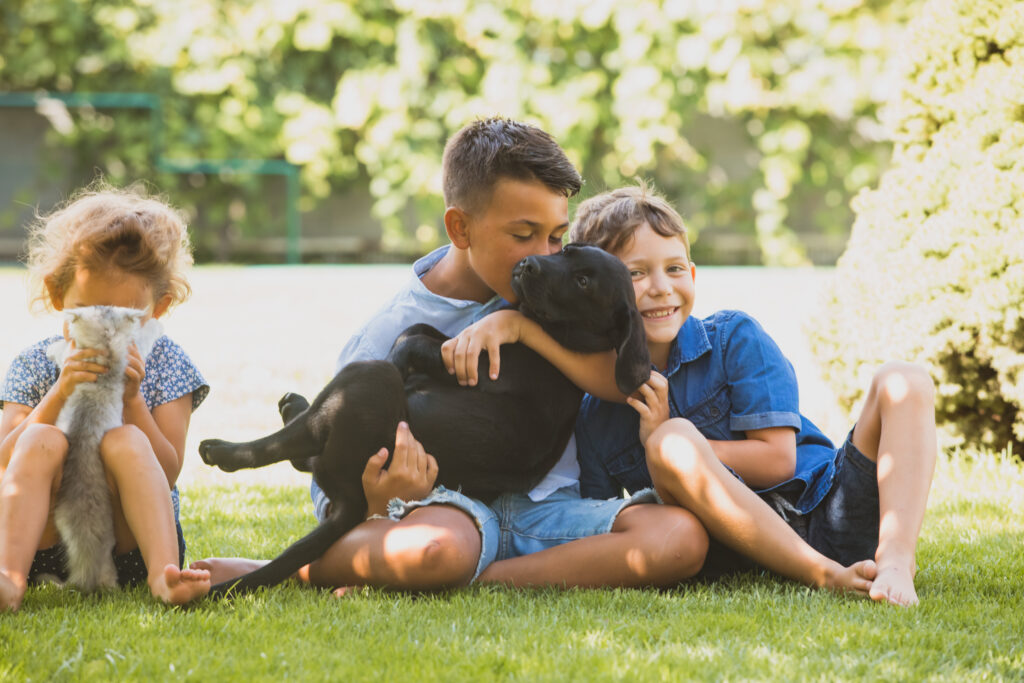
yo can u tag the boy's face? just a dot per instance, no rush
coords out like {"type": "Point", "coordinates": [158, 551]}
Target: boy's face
{"type": "Point", "coordinates": [523, 218]}
{"type": "Point", "coordinates": [663, 280]}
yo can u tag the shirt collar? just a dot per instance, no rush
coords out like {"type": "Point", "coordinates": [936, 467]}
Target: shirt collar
{"type": "Point", "coordinates": [691, 343]}
{"type": "Point", "coordinates": [423, 265]}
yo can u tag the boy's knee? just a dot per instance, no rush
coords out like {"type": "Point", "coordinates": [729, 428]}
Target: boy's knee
{"type": "Point", "coordinates": [427, 557]}
{"type": "Point", "coordinates": [898, 382]}
{"type": "Point", "coordinates": [676, 446]}
{"type": "Point", "coordinates": [670, 543]}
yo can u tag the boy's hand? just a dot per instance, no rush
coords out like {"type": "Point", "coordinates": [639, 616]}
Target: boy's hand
{"type": "Point", "coordinates": [410, 476]}
{"type": "Point", "coordinates": [134, 373]}
{"type": "Point", "coordinates": [652, 406]}
{"type": "Point", "coordinates": [79, 367]}
{"type": "Point", "coordinates": [461, 353]}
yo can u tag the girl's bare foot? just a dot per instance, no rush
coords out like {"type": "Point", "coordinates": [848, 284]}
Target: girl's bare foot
{"type": "Point", "coordinates": [226, 568]}
{"type": "Point", "coordinates": [10, 594]}
{"type": "Point", "coordinates": [179, 586]}
{"type": "Point", "coordinates": [894, 584]}
{"type": "Point", "coordinates": [857, 578]}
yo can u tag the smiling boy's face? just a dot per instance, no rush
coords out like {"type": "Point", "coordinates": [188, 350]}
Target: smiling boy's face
{"type": "Point", "coordinates": [523, 218]}
{"type": "Point", "coordinates": [663, 281]}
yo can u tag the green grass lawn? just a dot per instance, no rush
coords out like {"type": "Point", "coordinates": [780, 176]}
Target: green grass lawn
{"type": "Point", "coordinates": [257, 332]}
{"type": "Point", "coordinates": [968, 626]}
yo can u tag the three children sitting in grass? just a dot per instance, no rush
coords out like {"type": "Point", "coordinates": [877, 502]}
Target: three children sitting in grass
{"type": "Point", "coordinates": [722, 470]}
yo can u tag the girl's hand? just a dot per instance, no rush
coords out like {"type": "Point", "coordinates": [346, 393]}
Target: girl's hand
{"type": "Point", "coordinates": [134, 373]}
{"type": "Point", "coordinates": [652, 406]}
{"type": "Point", "coordinates": [410, 476]}
{"type": "Point", "coordinates": [462, 353]}
{"type": "Point", "coordinates": [79, 367]}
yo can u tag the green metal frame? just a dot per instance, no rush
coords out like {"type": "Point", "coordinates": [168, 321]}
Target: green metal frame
{"type": "Point", "coordinates": [152, 103]}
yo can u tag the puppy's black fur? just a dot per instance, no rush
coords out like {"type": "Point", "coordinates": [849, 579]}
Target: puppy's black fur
{"type": "Point", "coordinates": [500, 436]}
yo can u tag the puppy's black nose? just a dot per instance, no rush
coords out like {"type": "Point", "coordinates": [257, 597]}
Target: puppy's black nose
{"type": "Point", "coordinates": [527, 266]}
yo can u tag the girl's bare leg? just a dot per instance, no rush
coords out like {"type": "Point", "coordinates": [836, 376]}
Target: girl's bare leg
{"type": "Point", "coordinates": [896, 429]}
{"type": "Point", "coordinates": [686, 472]}
{"type": "Point", "coordinates": [27, 486]}
{"type": "Point", "coordinates": [144, 515]}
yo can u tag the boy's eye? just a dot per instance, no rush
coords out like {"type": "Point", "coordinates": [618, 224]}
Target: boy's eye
{"type": "Point", "coordinates": [636, 274]}
{"type": "Point", "coordinates": [556, 239]}
{"type": "Point", "coordinates": [521, 238]}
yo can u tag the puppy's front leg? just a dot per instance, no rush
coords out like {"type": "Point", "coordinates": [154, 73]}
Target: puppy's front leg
{"type": "Point", "coordinates": [294, 440]}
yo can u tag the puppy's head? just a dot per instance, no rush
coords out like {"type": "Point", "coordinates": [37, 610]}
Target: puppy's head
{"type": "Point", "coordinates": [583, 297]}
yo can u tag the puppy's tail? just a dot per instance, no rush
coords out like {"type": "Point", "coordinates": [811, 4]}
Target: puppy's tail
{"type": "Point", "coordinates": [308, 548]}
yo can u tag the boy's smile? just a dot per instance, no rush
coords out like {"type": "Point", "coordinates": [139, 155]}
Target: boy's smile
{"type": "Point", "coordinates": [663, 280]}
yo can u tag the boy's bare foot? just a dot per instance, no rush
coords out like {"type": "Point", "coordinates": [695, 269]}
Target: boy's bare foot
{"type": "Point", "coordinates": [226, 568]}
{"type": "Point", "coordinates": [895, 585]}
{"type": "Point", "coordinates": [179, 586]}
{"type": "Point", "coordinates": [10, 594]}
{"type": "Point", "coordinates": [349, 591]}
{"type": "Point", "coordinates": [857, 578]}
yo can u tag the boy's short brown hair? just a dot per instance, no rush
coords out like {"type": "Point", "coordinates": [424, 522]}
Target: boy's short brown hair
{"type": "Point", "coordinates": [488, 150]}
{"type": "Point", "coordinates": [608, 220]}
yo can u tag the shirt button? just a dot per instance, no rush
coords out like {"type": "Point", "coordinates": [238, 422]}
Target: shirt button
{"type": "Point", "coordinates": [714, 411]}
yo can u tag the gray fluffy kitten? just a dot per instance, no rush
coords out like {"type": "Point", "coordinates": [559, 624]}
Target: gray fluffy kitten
{"type": "Point", "coordinates": [84, 513]}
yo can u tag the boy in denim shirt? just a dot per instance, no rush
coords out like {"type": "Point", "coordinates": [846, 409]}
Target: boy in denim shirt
{"type": "Point", "coordinates": [726, 401]}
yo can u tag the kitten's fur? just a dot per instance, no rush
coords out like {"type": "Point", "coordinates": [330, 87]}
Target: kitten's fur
{"type": "Point", "coordinates": [84, 512]}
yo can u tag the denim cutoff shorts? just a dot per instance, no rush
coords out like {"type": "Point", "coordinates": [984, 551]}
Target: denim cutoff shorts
{"type": "Point", "coordinates": [842, 527]}
{"type": "Point", "coordinates": [515, 525]}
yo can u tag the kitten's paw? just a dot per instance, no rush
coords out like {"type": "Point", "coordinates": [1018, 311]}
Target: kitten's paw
{"type": "Point", "coordinates": [290, 406]}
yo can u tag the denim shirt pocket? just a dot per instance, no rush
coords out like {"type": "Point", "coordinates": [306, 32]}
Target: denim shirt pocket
{"type": "Point", "coordinates": [629, 468]}
{"type": "Point", "coordinates": [711, 416]}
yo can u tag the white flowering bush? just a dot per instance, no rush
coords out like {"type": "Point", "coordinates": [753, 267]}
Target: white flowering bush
{"type": "Point", "coordinates": [934, 270]}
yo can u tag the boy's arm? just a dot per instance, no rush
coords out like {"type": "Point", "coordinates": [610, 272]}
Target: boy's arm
{"type": "Point", "coordinates": [767, 457]}
{"type": "Point", "coordinates": [594, 373]}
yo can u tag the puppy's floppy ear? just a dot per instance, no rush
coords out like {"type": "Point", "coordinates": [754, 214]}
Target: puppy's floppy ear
{"type": "Point", "coordinates": [633, 365]}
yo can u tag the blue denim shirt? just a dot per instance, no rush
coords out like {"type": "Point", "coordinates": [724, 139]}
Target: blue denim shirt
{"type": "Point", "coordinates": [726, 376]}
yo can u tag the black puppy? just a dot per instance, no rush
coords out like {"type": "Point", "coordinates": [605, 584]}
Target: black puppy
{"type": "Point", "coordinates": [500, 436]}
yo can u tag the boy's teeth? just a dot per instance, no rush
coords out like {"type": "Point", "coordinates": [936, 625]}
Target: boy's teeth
{"type": "Point", "coordinates": [659, 314]}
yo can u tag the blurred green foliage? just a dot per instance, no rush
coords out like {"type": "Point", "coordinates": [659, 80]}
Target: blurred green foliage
{"type": "Point", "coordinates": [755, 117]}
{"type": "Point", "coordinates": [935, 267]}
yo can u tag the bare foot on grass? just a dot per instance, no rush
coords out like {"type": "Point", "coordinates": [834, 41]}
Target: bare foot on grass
{"type": "Point", "coordinates": [349, 591]}
{"type": "Point", "coordinates": [857, 578]}
{"type": "Point", "coordinates": [894, 585]}
{"type": "Point", "coordinates": [227, 568]}
{"type": "Point", "coordinates": [180, 586]}
{"type": "Point", "coordinates": [10, 594]}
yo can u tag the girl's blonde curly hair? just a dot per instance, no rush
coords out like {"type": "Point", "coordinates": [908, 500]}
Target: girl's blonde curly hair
{"type": "Point", "coordinates": [103, 227]}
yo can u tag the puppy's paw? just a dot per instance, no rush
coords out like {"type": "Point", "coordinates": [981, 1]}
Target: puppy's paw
{"type": "Point", "coordinates": [218, 453]}
{"type": "Point", "coordinates": [290, 406]}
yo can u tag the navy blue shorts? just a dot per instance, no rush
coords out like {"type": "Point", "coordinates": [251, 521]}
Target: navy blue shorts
{"type": "Point", "coordinates": [131, 570]}
{"type": "Point", "coordinates": [842, 527]}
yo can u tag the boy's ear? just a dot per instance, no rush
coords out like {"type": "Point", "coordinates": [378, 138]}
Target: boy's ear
{"type": "Point", "coordinates": [161, 306]}
{"type": "Point", "coordinates": [456, 224]}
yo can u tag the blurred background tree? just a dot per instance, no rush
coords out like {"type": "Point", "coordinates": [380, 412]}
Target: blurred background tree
{"type": "Point", "coordinates": [758, 118]}
{"type": "Point", "coordinates": [935, 267]}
